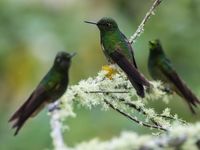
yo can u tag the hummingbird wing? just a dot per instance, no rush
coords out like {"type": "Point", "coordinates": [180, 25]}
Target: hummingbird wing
{"type": "Point", "coordinates": [180, 86]}
{"type": "Point", "coordinates": [130, 50]}
{"type": "Point", "coordinates": [37, 99]}
{"type": "Point", "coordinates": [135, 77]}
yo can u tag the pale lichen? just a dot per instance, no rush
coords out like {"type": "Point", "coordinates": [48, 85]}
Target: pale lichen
{"type": "Point", "coordinates": [128, 103]}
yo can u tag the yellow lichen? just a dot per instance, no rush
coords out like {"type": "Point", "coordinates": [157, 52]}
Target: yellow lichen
{"type": "Point", "coordinates": [110, 71]}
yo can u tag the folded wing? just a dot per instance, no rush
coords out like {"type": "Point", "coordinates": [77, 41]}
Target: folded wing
{"type": "Point", "coordinates": [135, 77]}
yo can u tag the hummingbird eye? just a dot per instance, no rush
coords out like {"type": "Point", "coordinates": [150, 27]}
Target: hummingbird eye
{"type": "Point", "coordinates": [58, 60]}
{"type": "Point", "coordinates": [108, 25]}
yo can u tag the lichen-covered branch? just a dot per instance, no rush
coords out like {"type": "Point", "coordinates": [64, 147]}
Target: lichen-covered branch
{"type": "Point", "coordinates": [56, 133]}
{"type": "Point", "coordinates": [184, 137]}
{"type": "Point", "coordinates": [135, 119]}
{"type": "Point", "coordinates": [140, 28]}
{"type": "Point", "coordinates": [83, 94]}
{"type": "Point", "coordinates": [179, 137]}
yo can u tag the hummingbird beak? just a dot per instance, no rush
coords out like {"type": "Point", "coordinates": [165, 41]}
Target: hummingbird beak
{"type": "Point", "coordinates": [151, 43]}
{"type": "Point", "coordinates": [90, 22]}
{"type": "Point", "coordinates": [154, 42]}
{"type": "Point", "coordinates": [72, 54]}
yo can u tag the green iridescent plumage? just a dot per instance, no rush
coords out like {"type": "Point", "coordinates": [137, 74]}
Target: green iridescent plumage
{"type": "Point", "coordinates": [50, 89]}
{"type": "Point", "coordinates": [118, 50]}
{"type": "Point", "coordinates": [160, 68]}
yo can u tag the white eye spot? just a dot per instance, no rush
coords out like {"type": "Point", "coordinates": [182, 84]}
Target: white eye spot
{"type": "Point", "coordinates": [58, 60]}
{"type": "Point", "coordinates": [109, 25]}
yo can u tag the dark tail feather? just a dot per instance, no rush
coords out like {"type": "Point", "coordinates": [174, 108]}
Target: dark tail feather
{"type": "Point", "coordinates": [19, 117]}
{"type": "Point", "coordinates": [26, 111]}
{"type": "Point", "coordinates": [138, 87]}
{"type": "Point", "coordinates": [135, 77]}
{"type": "Point", "coordinates": [185, 92]}
{"type": "Point", "coordinates": [182, 89]}
{"type": "Point", "coordinates": [190, 98]}
{"type": "Point", "coordinates": [20, 110]}
{"type": "Point", "coordinates": [191, 108]}
{"type": "Point", "coordinates": [18, 124]}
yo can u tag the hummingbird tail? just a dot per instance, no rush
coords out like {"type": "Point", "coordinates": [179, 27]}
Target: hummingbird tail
{"type": "Point", "coordinates": [182, 90]}
{"type": "Point", "coordinates": [138, 87]}
{"type": "Point", "coordinates": [19, 111]}
{"type": "Point", "coordinates": [190, 97]}
{"type": "Point", "coordinates": [18, 124]}
{"type": "Point", "coordinates": [27, 110]}
{"type": "Point", "coordinates": [135, 77]}
{"type": "Point", "coordinates": [19, 117]}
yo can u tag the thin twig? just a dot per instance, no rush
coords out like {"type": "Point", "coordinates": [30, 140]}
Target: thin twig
{"type": "Point", "coordinates": [158, 115]}
{"type": "Point", "coordinates": [144, 21]}
{"type": "Point", "coordinates": [140, 110]}
{"type": "Point", "coordinates": [131, 105]}
{"type": "Point", "coordinates": [107, 92]}
{"type": "Point", "coordinates": [134, 119]}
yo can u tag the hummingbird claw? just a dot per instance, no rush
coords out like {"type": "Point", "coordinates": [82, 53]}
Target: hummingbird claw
{"type": "Point", "coordinates": [53, 106]}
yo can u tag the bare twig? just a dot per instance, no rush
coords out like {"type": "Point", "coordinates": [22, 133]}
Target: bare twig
{"type": "Point", "coordinates": [134, 119]}
{"type": "Point", "coordinates": [144, 21]}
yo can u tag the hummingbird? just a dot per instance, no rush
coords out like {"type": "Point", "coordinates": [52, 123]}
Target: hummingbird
{"type": "Point", "coordinates": [161, 68]}
{"type": "Point", "coordinates": [50, 89]}
{"type": "Point", "coordinates": [117, 49]}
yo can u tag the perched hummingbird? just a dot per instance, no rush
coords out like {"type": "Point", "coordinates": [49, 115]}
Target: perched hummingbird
{"type": "Point", "coordinates": [117, 49]}
{"type": "Point", "coordinates": [160, 68]}
{"type": "Point", "coordinates": [50, 89]}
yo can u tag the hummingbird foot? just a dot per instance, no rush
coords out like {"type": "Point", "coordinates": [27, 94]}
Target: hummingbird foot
{"type": "Point", "coordinates": [53, 106]}
{"type": "Point", "coordinates": [150, 88]}
{"type": "Point", "coordinates": [167, 90]}
{"type": "Point", "coordinates": [110, 71]}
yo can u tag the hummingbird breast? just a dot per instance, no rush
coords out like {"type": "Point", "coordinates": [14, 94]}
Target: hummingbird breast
{"type": "Point", "coordinates": [59, 90]}
{"type": "Point", "coordinates": [113, 41]}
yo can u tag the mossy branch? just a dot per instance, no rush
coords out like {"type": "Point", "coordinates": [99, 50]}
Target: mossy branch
{"type": "Point", "coordinates": [126, 103]}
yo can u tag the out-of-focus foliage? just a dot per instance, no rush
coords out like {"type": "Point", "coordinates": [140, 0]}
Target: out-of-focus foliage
{"type": "Point", "coordinates": [32, 32]}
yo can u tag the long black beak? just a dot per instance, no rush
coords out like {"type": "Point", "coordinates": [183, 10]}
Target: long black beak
{"type": "Point", "coordinates": [72, 54]}
{"type": "Point", "coordinates": [90, 22]}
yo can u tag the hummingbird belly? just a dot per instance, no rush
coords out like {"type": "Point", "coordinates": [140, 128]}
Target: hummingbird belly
{"type": "Point", "coordinates": [58, 91]}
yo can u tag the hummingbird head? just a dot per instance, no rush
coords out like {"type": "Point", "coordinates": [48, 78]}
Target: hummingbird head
{"type": "Point", "coordinates": [155, 46]}
{"type": "Point", "coordinates": [63, 61]}
{"type": "Point", "coordinates": [105, 24]}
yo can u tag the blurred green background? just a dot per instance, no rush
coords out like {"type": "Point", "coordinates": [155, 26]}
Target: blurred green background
{"type": "Point", "coordinates": [32, 32]}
